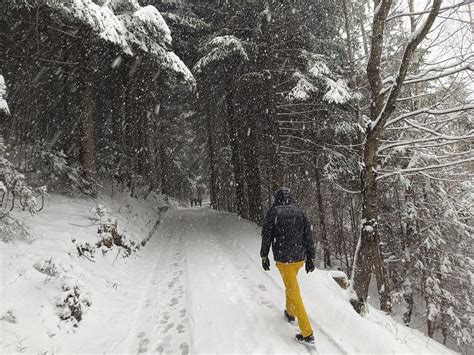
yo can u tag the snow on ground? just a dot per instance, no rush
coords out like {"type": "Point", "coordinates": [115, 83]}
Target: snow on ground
{"type": "Point", "coordinates": [196, 287]}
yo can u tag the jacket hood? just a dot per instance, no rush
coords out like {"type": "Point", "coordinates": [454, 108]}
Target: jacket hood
{"type": "Point", "coordinates": [283, 197]}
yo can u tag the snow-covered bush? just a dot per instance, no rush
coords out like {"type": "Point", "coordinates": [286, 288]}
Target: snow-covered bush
{"type": "Point", "coordinates": [48, 267]}
{"type": "Point", "coordinates": [9, 316]}
{"type": "Point", "coordinates": [109, 235]}
{"type": "Point", "coordinates": [15, 192]}
{"type": "Point", "coordinates": [13, 229]}
{"type": "Point", "coordinates": [72, 303]}
{"type": "Point", "coordinates": [85, 249]}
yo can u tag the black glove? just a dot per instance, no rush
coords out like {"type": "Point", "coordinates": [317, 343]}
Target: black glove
{"type": "Point", "coordinates": [265, 263]}
{"type": "Point", "coordinates": [309, 265]}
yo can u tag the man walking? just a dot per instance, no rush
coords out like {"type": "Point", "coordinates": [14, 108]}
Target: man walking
{"type": "Point", "coordinates": [288, 231]}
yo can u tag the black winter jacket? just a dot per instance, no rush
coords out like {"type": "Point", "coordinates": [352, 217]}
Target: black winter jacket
{"type": "Point", "coordinates": [287, 230]}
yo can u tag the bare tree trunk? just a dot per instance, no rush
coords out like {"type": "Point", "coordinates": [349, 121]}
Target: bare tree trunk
{"type": "Point", "coordinates": [270, 107]}
{"type": "Point", "coordinates": [416, 100]}
{"type": "Point", "coordinates": [213, 188]}
{"type": "Point", "coordinates": [382, 282]}
{"type": "Point", "coordinates": [163, 170]}
{"type": "Point", "coordinates": [236, 155]}
{"type": "Point", "coordinates": [322, 221]}
{"type": "Point", "coordinates": [345, 249]}
{"type": "Point", "coordinates": [151, 143]}
{"type": "Point", "coordinates": [277, 167]}
{"type": "Point", "coordinates": [350, 52]}
{"type": "Point", "coordinates": [88, 139]}
{"type": "Point", "coordinates": [364, 38]}
{"type": "Point", "coordinates": [369, 241]}
{"type": "Point", "coordinates": [251, 136]}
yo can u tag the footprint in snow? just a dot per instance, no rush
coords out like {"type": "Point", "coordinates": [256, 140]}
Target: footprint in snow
{"type": "Point", "coordinates": [266, 303]}
{"type": "Point", "coordinates": [168, 327]}
{"type": "Point", "coordinates": [180, 328]}
{"type": "Point", "coordinates": [182, 312]}
{"type": "Point", "coordinates": [174, 301]}
{"type": "Point", "coordinates": [143, 345]}
{"type": "Point", "coordinates": [184, 348]}
{"type": "Point", "coordinates": [262, 287]}
{"type": "Point", "coordinates": [141, 335]}
{"type": "Point", "coordinates": [165, 318]}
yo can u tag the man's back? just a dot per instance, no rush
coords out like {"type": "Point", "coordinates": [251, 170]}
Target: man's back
{"type": "Point", "coordinates": [287, 230]}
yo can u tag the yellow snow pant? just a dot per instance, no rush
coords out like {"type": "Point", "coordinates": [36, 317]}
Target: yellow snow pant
{"type": "Point", "coordinates": [294, 302]}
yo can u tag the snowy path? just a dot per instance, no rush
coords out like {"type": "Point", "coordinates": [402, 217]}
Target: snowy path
{"type": "Point", "coordinates": [197, 287]}
{"type": "Point", "coordinates": [202, 290]}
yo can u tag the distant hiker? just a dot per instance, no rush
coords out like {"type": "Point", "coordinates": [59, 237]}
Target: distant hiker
{"type": "Point", "coordinates": [199, 195]}
{"type": "Point", "coordinates": [199, 200]}
{"type": "Point", "coordinates": [288, 231]}
{"type": "Point", "coordinates": [192, 201]}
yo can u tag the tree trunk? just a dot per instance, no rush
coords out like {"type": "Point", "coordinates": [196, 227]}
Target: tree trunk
{"type": "Point", "coordinates": [88, 139]}
{"type": "Point", "coordinates": [350, 53]}
{"type": "Point", "coordinates": [252, 169]}
{"type": "Point", "coordinates": [270, 112]}
{"type": "Point", "coordinates": [276, 165]}
{"type": "Point", "coordinates": [236, 155]}
{"type": "Point", "coordinates": [213, 188]}
{"type": "Point", "coordinates": [322, 221]}
{"type": "Point", "coordinates": [369, 240]}
{"type": "Point", "coordinates": [151, 145]}
{"type": "Point", "coordinates": [382, 282]}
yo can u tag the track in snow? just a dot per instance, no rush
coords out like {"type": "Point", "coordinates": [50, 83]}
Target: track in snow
{"type": "Point", "coordinates": [202, 289]}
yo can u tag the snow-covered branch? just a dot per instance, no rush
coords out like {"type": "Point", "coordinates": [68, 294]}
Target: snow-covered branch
{"type": "Point", "coordinates": [422, 77]}
{"type": "Point", "coordinates": [412, 43]}
{"type": "Point", "coordinates": [424, 168]}
{"type": "Point", "coordinates": [430, 111]}
{"type": "Point", "coordinates": [415, 13]}
{"type": "Point", "coordinates": [425, 140]}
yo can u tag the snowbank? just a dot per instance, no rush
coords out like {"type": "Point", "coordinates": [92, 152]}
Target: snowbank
{"type": "Point", "coordinates": [46, 285]}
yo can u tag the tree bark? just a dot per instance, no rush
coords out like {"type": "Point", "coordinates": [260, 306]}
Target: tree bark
{"type": "Point", "coordinates": [322, 221]}
{"type": "Point", "coordinates": [236, 155]}
{"type": "Point", "coordinates": [88, 139]}
{"type": "Point", "coordinates": [251, 136]}
{"type": "Point", "coordinates": [270, 111]}
{"type": "Point", "coordinates": [213, 188]}
{"type": "Point", "coordinates": [350, 53]}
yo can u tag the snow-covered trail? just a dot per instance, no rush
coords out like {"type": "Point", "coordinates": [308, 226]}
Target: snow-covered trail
{"type": "Point", "coordinates": [196, 287]}
{"type": "Point", "coordinates": [203, 291]}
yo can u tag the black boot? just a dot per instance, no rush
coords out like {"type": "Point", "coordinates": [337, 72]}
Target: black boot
{"type": "Point", "coordinates": [307, 340]}
{"type": "Point", "coordinates": [289, 317]}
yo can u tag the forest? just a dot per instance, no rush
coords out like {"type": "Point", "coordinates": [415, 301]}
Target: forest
{"type": "Point", "coordinates": [363, 108]}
